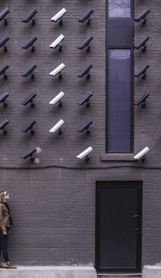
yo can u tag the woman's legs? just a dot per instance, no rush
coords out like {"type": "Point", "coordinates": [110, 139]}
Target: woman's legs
{"type": "Point", "coordinates": [4, 246]}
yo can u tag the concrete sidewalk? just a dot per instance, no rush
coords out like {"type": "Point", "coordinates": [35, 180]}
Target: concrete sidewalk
{"type": "Point", "coordinates": [49, 272]}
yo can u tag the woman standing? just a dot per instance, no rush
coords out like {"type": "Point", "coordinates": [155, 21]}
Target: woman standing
{"type": "Point", "coordinates": [5, 225]}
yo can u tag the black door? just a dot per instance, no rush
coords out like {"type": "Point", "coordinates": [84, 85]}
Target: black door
{"type": "Point", "coordinates": [118, 226]}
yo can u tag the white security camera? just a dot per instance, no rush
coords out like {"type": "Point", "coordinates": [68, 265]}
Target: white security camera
{"type": "Point", "coordinates": [57, 42]}
{"type": "Point", "coordinates": [85, 153]}
{"type": "Point", "coordinates": [142, 153]}
{"type": "Point", "coordinates": [59, 15]}
{"type": "Point", "coordinates": [57, 127]}
{"type": "Point", "coordinates": [57, 70]}
{"type": "Point", "coordinates": [57, 98]}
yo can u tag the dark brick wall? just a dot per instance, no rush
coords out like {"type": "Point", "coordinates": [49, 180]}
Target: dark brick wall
{"type": "Point", "coordinates": [146, 128]}
{"type": "Point", "coordinates": [53, 202]}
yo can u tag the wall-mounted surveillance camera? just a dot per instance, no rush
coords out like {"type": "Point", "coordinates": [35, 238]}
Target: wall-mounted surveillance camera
{"type": "Point", "coordinates": [3, 98]}
{"type": "Point", "coordinates": [3, 15]}
{"type": "Point", "coordinates": [57, 127]}
{"type": "Point", "coordinates": [85, 154]}
{"type": "Point", "coordinates": [142, 72]}
{"type": "Point", "coordinates": [29, 127]}
{"type": "Point", "coordinates": [86, 43]}
{"type": "Point", "coordinates": [141, 155]}
{"type": "Point", "coordinates": [58, 42]}
{"type": "Point", "coordinates": [86, 16]}
{"type": "Point", "coordinates": [30, 16]}
{"type": "Point", "coordinates": [142, 100]}
{"type": "Point", "coordinates": [30, 100]}
{"type": "Point", "coordinates": [85, 127]}
{"type": "Point", "coordinates": [85, 99]}
{"type": "Point", "coordinates": [59, 16]}
{"type": "Point", "coordinates": [57, 99]}
{"type": "Point", "coordinates": [142, 16]}
{"type": "Point", "coordinates": [29, 43]}
{"type": "Point", "coordinates": [3, 125]}
{"type": "Point", "coordinates": [58, 70]}
{"type": "Point", "coordinates": [30, 153]}
{"type": "Point", "coordinates": [142, 44]}
{"type": "Point", "coordinates": [85, 71]}
{"type": "Point", "coordinates": [3, 42]}
{"type": "Point", "coordinates": [3, 71]}
{"type": "Point", "coordinates": [29, 71]}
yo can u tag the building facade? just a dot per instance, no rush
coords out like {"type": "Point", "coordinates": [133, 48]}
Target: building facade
{"type": "Point", "coordinates": [100, 207]}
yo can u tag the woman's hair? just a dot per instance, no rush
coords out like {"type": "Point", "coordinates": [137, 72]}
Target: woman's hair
{"type": "Point", "coordinates": [2, 193]}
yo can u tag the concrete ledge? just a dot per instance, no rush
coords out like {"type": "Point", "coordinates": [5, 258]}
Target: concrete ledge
{"type": "Point", "coordinates": [49, 272]}
{"type": "Point", "coordinates": [152, 271]}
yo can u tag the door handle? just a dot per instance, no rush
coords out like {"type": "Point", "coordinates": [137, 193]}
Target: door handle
{"type": "Point", "coordinates": [137, 222]}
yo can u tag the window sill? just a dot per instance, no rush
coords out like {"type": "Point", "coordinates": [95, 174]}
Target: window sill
{"type": "Point", "coordinates": [117, 157]}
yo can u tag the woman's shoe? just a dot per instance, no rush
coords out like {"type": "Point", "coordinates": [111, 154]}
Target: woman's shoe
{"type": "Point", "coordinates": [1, 265]}
{"type": "Point", "coordinates": [9, 265]}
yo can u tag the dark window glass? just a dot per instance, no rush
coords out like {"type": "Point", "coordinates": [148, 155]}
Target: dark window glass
{"type": "Point", "coordinates": [119, 101]}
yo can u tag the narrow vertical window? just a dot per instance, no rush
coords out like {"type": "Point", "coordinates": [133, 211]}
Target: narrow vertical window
{"type": "Point", "coordinates": [119, 101]}
{"type": "Point", "coordinates": [119, 77]}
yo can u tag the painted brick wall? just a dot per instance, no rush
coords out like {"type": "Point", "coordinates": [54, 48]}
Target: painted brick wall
{"type": "Point", "coordinates": [53, 202]}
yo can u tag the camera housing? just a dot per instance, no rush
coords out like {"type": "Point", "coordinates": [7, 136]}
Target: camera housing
{"type": "Point", "coordinates": [3, 42]}
{"type": "Point", "coordinates": [85, 71]}
{"type": "Point", "coordinates": [142, 100]}
{"type": "Point", "coordinates": [3, 15]}
{"type": "Point", "coordinates": [59, 16]}
{"type": "Point", "coordinates": [3, 98]}
{"type": "Point", "coordinates": [29, 99]}
{"type": "Point", "coordinates": [142, 72]}
{"type": "Point", "coordinates": [142, 16]}
{"type": "Point", "coordinates": [57, 127]}
{"type": "Point", "coordinates": [141, 155]}
{"type": "Point", "coordinates": [57, 42]}
{"type": "Point", "coordinates": [29, 43]}
{"type": "Point", "coordinates": [142, 44]}
{"type": "Point", "coordinates": [30, 16]}
{"type": "Point", "coordinates": [57, 99]}
{"type": "Point", "coordinates": [3, 71]}
{"type": "Point", "coordinates": [86, 16]}
{"type": "Point", "coordinates": [86, 43]}
{"type": "Point", "coordinates": [30, 153]}
{"type": "Point", "coordinates": [58, 71]}
{"type": "Point", "coordinates": [86, 99]}
{"type": "Point", "coordinates": [85, 127]}
{"type": "Point", "coordinates": [3, 126]}
{"type": "Point", "coordinates": [29, 127]}
{"type": "Point", "coordinates": [85, 154]}
{"type": "Point", "coordinates": [29, 71]}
